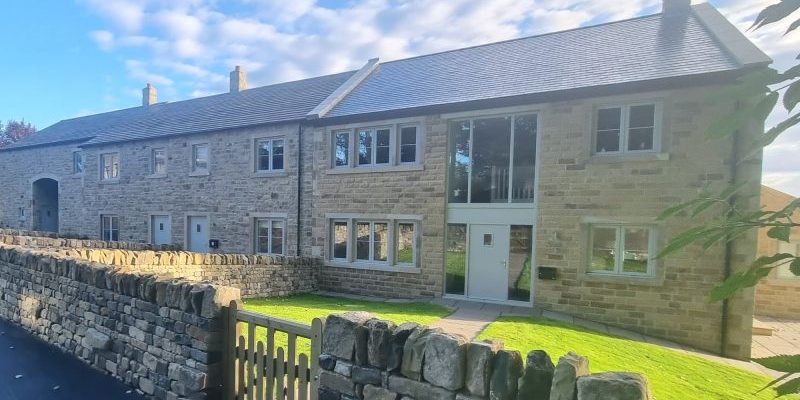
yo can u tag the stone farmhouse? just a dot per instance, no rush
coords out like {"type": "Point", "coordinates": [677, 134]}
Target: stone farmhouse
{"type": "Point", "coordinates": [525, 172]}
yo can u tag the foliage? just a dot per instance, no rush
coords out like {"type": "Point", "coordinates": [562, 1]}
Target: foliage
{"type": "Point", "coordinates": [756, 95]}
{"type": "Point", "coordinates": [672, 374]}
{"type": "Point", "coordinates": [14, 131]}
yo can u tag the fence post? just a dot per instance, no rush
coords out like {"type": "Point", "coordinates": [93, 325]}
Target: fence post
{"type": "Point", "coordinates": [317, 327]}
{"type": "Point", "coordinates": [229, 360]}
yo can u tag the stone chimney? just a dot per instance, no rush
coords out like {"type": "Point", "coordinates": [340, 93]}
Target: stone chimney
{"type": "Point", "coordinates": [675, 7]}
{"type": "Point", "coordinates": [149, 95]}
{"type": "Point", "coordinates": [238, 80]}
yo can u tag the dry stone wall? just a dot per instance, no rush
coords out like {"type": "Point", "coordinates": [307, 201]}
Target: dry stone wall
{"type": "Point", "coordinates": [158, 334]}
{"type": "Point", "coordinates": [370, 359]}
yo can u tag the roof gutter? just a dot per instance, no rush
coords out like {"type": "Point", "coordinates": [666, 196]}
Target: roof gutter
{"type": "Point", "coordinates": [342, 91]}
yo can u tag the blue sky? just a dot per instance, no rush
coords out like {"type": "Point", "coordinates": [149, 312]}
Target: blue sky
{"type": "Point", "coordinates": [69, 58]}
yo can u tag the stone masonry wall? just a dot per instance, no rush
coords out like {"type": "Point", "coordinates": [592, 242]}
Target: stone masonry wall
{"type": "Point", "coordinates": [254, 275]}
{"type": "Point", "coordinates": [159, 335]}
{"type": "Point", "coordinates": [367, 358]}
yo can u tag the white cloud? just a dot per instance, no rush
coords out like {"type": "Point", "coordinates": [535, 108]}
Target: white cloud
{"type": "Point", "coordinates": [138, 69]}
{"type": "Point", "coordinates": [104, 39]}
{"type": "Point", "coordinates": [125, 15]}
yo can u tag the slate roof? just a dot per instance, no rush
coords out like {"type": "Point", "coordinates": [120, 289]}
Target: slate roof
{"type": "Point", "coordinates": [263, 105]}
{"type": "Point", "coordinates": [639, 49]}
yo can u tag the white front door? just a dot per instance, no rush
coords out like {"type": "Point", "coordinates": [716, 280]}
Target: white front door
{"type": "Point", "coordinates": [161, 230]}
{"type": "Point", "coordinates": [488, 262]}
{"type": "Point", "coordinates": [198, 234]}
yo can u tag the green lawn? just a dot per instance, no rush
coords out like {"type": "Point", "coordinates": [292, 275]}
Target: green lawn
{"type": "Point", "coordinates": [672, 375]}
{"type": "Point", "coordinates": [305, 307]}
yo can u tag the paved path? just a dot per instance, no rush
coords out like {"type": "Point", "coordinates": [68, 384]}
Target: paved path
{"type": "Point", "coordinates": [785, 339]}
{"type": "Point", "coordinates": [47, 373]}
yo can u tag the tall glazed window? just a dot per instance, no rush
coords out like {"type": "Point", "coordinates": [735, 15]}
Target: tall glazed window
{"type": "Point", "coordinates": [456, 259]}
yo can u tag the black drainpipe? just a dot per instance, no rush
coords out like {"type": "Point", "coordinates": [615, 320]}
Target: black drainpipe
{"type": "Point", "coordinates": [728, 244]}
{"type": "Point", "coordinates": [299, 181]}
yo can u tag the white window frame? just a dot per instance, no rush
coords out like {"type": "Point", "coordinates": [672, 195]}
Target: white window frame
{"type": "Point", "coordinates": [153, 161]}
{"type": "Point", "coordinates": [256, 236]}
{"type": "Point", "coordinates": [194, 170]}
{"type": "Point", "coordinates": [75, 155]}
{"type": "Point", "coordinates": [112, 219]}
{"type": "Point", "coordinates": [394, 146]}
{"type": "Point", "coordinates": [624, 132]}
{"type": "Point", "coordinates": [393, 225]}
{"type": "Point", "coordinates": [620, 249]}
{"type": "Point", "coordinates": [257, 157]}
{"type": "Point", "coordinates": [112, 155]}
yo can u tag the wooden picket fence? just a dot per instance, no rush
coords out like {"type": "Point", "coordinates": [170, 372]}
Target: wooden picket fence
{"type": "Point", "coordinates": [256, 370]}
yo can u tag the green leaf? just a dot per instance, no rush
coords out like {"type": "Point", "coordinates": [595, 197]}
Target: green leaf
{"type": "Point", "coordinates": [738, 281]}
{"type": "Point", "coordinates": [794, 267]}
{"type": "Point", "coordinates": [775, 13]}
{"type": "Point", "coordinates": [791, 386]}
{"type": "Point", "coordinates": [682, 240]}
{"type": "Point", "coordinates": [792, 96]}
{"type": "Point", "coordinates": [748, 86]}
{"type": "Point", "coordinates": [769, 260]}
{"type": "Point", "coordinates": [790, 73]}
{"type": "Point", "coordinates": [676, 209]}
{"type": "Point", "coordinates": [792, 27]}
{"type": "Point", "coordinates": [788, 364]}
{"type": "Point", "coordinates": [769, 136]}
{"type": "Point", "coordinates": [780, 232]}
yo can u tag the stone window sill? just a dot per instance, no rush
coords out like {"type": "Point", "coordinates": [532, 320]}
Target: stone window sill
{"type": "Point", "coordinates": [644, 280]}
{"type": "Point", "coordinates": [157, 176]}
{"type": "Point", "coordinates": [372, 267]}
{"type": "Point", "coordinates": [369, 170]}
{"type": "Point", "coordinates": [609, 158]}
{"type": "Point", "coordinates": [200, 173]}
{"type": "Point", "coordinates": [109, 181]}
{"type": "Point", "coordinates": [269, 174]}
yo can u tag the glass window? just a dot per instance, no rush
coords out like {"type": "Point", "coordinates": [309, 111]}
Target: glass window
{"type": "Point", "coordinates": [609, 126]}
{"type": "Point", "coordinates": [626, 128]}
{"type": "Point", "coordinates": [340, 239]}
{"type": "Point", "coordinates": [109, 163]}
{"type": "Point", "coordinates": [456, 259]}
{"type": "Point", "coordinates": [362, 241]}
{"type": "Point", "coordinates": [342, 149]}
{"type": "Point", "coordinates": [524, 171]}
{"type": "Point", "coordinates": [408, 144]}
{"type": "Point", "coordinates": [458, 162]}
{"type": "Point", "coordinates": [519, 263]}
{"type": "Point", "coordinates": [621, 250]}
{"type": "Point", "coordinates": [380, 241]}
{"type": "Point", "coordinates": [405, 243]}
{"type": "Point", "coordinates": [200, 157]}
{"type": "Point", "coordinates": [490, 160]}
{"type": "Point", "coordinates": [159, 161]}
{"type": "Point", "coordinates": [77, 162]}
{"type": "Point", "coordinates": [382, 147]}
{"type": "Point", "coordinates": [269, 236]}
{"type": "Point", "coordinates": [109, 230]}
{"type": "Point", "coordinates": [364, 147]}
{"type": "Point", "coordinates": [269, 154]}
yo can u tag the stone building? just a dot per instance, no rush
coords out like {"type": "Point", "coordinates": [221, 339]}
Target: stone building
{"type": "Point", "coordinates": [524, 172]}
{"type": "Point", "coordinates": [776, 295]}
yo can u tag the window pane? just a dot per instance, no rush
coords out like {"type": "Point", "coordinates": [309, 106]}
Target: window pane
{"type": "Point", "coordinates": [115, 165]}
{"type": "Point", "coordinates": [643, 116]}
{"type": "Point", "coordinates": [341, 148]}
{"type": "Point", "coordinates": [277, 237]}
{"type": "Point", "coordinates": [408, 144]}
{"type": "Point", "coordinates": [264, 148]}
{"type": "Point", "coordinates": [362, 241]}
{"type": "Point", "coordinates": [456, 259]}
{"type": "Point", "coordinates": [458, 162]}
{"type": "Point", "coordinates": [640, 139]}
{"type": "Point", "coordinates": [524, 159]}
{"type": "Point", "coordinates": [405, 243]}
{"type": "Point", "coordinates": [490, 160]}
{"type": "Point", "coordinates": [340, 239]}
{"type": "Point", "coordinates": [277, 154]}
{"type": "Point", "coordinates": [604, 248]}
{"type": "Point", "coordinates": [636, 248]}
{"type": "Point", "coordinates": [364, 147]}
{"type": "Point", "coordinates": [77, 162]}
{"type": "Point", "coordinates": [159, 161]}
{"type": "Point", "coordinates": [382, 146]}
{"type": "Point", "coordinates": [200, 157]}
{"type": "Point", "coordinates": [262, 236]}
{"type": "Point", "coordinates": [381, 242]}
{"type": "Point", "coordinates": [608, 128]}
{"type": "Point", "coordinates": [519, 263]}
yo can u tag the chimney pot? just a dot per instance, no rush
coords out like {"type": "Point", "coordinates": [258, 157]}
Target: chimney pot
{"type": "Point", "coordinates": [674, 7]}
{"type": "Point", "coordinates": [149, 95]}
{"type": "Point", "coordinates": [238, 80]}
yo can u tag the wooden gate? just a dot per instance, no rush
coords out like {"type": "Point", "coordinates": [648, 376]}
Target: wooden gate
{"type": "Point", "coordinates": [262, 360]}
